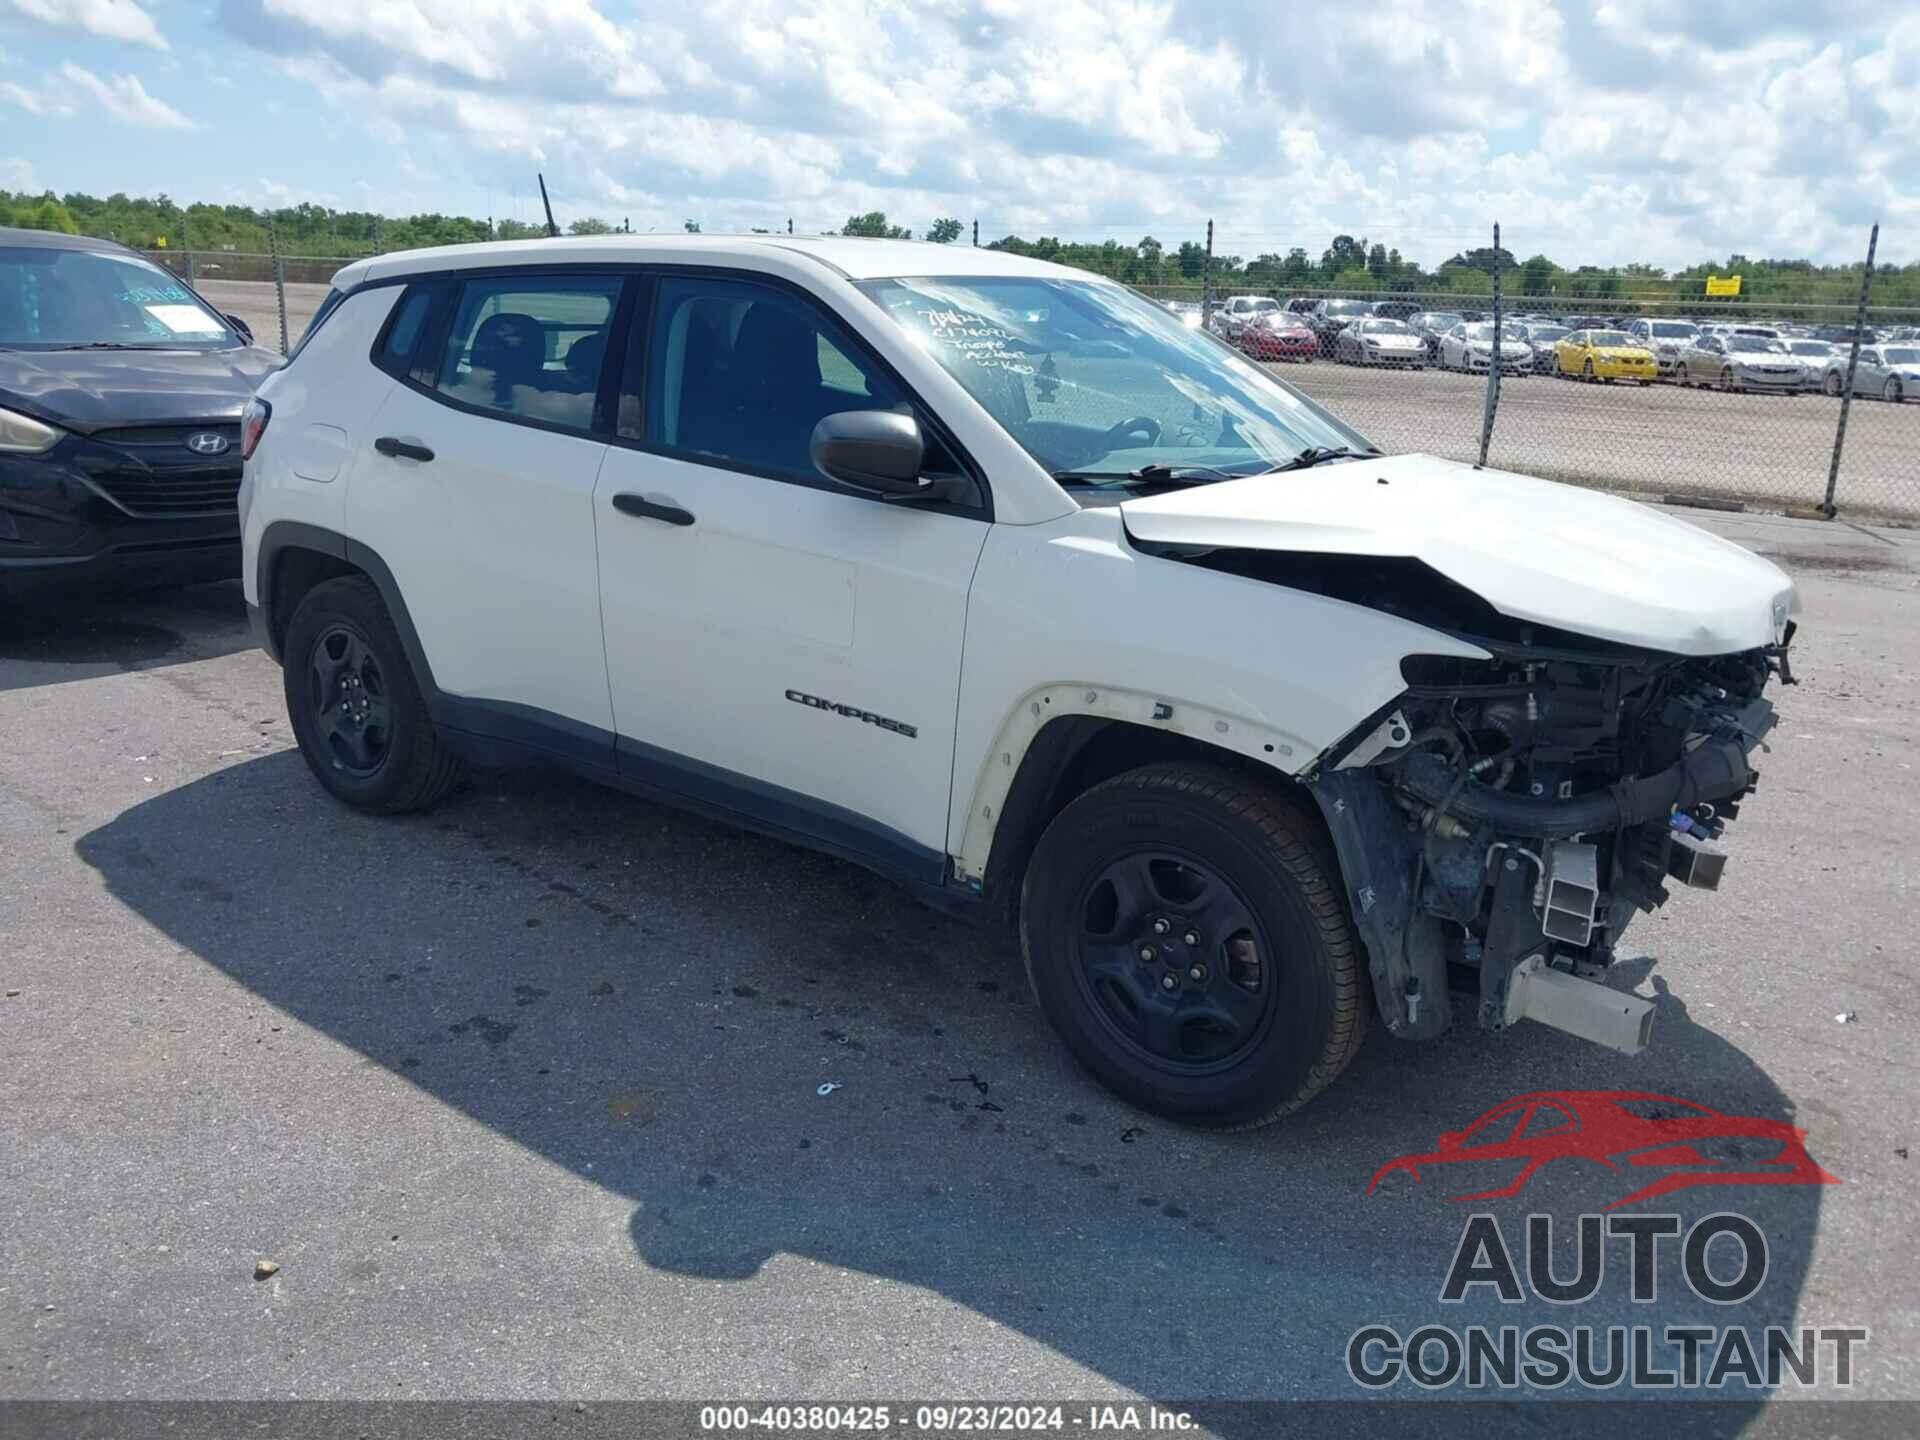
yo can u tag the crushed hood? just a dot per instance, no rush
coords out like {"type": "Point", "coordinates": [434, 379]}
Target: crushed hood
{"type": "Point", "coordinates": [1575, 559]}
{"type": "Point", "coordinates": [88, 390]}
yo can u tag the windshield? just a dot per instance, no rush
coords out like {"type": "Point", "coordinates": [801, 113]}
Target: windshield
{"type": "Point", "coordinates": [56, 299]}
{"type": "Point", "coordinates": [1545, 332]}
{"type": "Point", "coordinates": [1485, 332]}
{"type": "Point", "coordinates": [1756, 344]}
{"type": "Point", "coordinates": [1673, 329]}
{"type": "Point", "coordinates": [1811, 347]}
{"type": "Point", "coordinates": [1259, 306]}
{"type": "Point", "coordinates": [1089, 377]}
{"type": "Point", "coordinates": [1604, 339]}
{"type": "Point", "coordinates": [1348, 307]}
{"type": "Point", "coordinates": [1439, 320]}
{"type": "Point", "coordinates": [1902, 356]}
{"type": "Point", "coordinates": [1382, 327]}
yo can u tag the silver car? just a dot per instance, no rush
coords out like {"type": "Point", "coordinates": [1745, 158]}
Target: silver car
{"type": "Point", "coordinates": [1887, 372]}
{"type": "Point", "coordinates": [1380, 342]}
{"type": "Point", "coordinates": [1743, 362]}
{"type": "Point", "coordinates": [1666, 339]}
{"type": "Point", "coordinates": [1470, 347]}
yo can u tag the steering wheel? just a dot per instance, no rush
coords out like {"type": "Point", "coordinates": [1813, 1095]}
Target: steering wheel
{"type": "Point", "coordinates": [1144, 426]}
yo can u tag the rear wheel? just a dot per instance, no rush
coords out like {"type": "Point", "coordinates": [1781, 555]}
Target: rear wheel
{"type": "Point", "coordinates": [355, 707]}
{"type": "Point", "coordinates": [1892, 390]}
{"type": "Point", "coordinates": [1186, 932]}
{"type": "Point", "coordinates": [1726, 379]}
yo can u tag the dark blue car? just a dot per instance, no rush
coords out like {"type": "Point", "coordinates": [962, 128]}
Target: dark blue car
{"type": "Point", "coordinates": [120, 400]}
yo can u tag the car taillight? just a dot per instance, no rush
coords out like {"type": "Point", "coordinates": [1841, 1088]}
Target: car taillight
{"type": "Point", "coordinates": [253, 424]}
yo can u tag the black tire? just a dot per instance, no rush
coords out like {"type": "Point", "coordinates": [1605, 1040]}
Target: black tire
{"type": "Point", "coordinates": [1831, 384]}
{"type": "Point", "coordinates": [401, 763]}
{"type": "Point", "coordinates": [1892, 392]}
{"type": "Point", "coordinates": [1251, 865]}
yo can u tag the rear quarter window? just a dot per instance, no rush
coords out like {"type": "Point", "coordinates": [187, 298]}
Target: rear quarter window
{"type": "Point", "coordinates": [327, 306]}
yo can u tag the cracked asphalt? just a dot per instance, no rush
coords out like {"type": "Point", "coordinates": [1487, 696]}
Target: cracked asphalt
{"type": "Point", "coordinates": [523, 1096]}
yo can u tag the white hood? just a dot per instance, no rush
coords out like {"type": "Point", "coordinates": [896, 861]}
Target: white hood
{"type": "Point", "coordinates": [1575, 559]}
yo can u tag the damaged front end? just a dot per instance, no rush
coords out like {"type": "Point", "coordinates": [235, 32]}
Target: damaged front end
{"type": "Point", "coordinates": [1502, 820]}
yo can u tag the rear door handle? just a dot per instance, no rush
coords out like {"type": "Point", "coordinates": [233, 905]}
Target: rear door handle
{"type": "Point", "coordinates": [402, 449]}
{"type": "Point", "coordinates": [646, 509]}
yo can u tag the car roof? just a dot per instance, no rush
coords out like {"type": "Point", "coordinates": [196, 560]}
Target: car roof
{"type": "Point", "coordinates": [54, 240]}
{"type": "Point", "coordinates": [853, 257]}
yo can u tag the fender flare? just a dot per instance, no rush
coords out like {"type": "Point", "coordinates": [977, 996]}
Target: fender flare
{"type": "Point", "coordinates": [284, 535]}
{"type": "Point", "coordinates": [1001, 766]}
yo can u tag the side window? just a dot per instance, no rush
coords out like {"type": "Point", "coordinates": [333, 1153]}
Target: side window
{"type": "Point", "coordinates": [740, 373]}
{"type": "Point", "coordinates": [399, 348]}
{"type": "Point", "coordinates": [531, 346]}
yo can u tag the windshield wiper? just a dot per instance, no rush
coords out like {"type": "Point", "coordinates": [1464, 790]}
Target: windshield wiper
{"type": "Point", "coordinates": [1151, 475]}
{"type": "Point", "coordinates": [104, 345]}
{"type": "Point", "coordinates": [1320, 454]}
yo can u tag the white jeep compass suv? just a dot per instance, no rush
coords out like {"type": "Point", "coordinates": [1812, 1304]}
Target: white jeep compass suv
{"type": "Point", "coordinates": [996, 578]}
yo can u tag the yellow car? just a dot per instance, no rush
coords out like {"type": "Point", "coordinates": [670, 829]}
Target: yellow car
{"type": "Point", "coordinates": [1603, 355]}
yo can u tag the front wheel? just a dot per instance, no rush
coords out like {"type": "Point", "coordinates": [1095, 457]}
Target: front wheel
{"type": "Point", "coordinates": [1586, 372]}
{"type": "Point", "coordinates": [1186, 932]}
{"type": "Point", "coordinates": [1832, 384]}
{"type": "Point", "coordinates": [354, 705]}
{"type": "Point", "coordinates": [1892, 391]}
{"type": "Point", "coordinates": [1726, 380]}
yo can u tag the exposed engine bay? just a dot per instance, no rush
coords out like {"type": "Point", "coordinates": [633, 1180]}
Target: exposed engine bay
{"type": "Point", "coordinates": [1504, 820]}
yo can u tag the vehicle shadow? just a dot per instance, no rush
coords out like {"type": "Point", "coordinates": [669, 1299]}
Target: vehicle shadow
{"type": "Point", "coordinates": [653, 1002]}
{"type": "Point", "coordinates": [50, 640]}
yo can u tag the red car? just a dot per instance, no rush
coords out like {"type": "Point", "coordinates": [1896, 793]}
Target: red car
{"type": "Point", "coordinates": [1683, 1143]}
{"type": "Point", "coordinates": [1276, 335]}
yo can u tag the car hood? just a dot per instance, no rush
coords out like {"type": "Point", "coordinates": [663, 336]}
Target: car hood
{"type": "Point", "coordinates": [1578, 560]}
{"type": "Point", "coordinates": [88, 390]}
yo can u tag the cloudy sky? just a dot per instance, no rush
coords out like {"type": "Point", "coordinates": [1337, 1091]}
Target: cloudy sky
{"type": "Point", "coordinates": [1659, 130]}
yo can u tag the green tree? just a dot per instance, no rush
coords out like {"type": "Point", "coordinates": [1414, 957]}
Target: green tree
{"type": "Point", "coordinates": [1486, 258]}
{"type": "Point", "coordinates": [943, 232]}
{"type": "Point", "coordinates": [1465, 280]}
{"type": "Point", "coordinates": [1357, 278]}
{"type": "Point", "coordinates": [50, 214]}
{"type": "Point", "coordinates": [874, 225]}
{"type": "Point", "coordinates": [589, 225]}
{"type": "Point", "coordinates": [1537, 276]}
{"type": "Point", "coordinates": [692, 227]}
{"type": "Point", "coordinates": [1345, 253]}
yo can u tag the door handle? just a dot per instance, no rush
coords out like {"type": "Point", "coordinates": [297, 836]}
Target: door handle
{"type": "Point", "coordinates": [645, 509]}
{"type": "Point", "coordinates": [401, 449]}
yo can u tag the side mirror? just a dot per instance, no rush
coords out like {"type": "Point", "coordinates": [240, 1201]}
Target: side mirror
{"type": "Point", "coordinates": [246, 330]}
{"type": "Point", "coordinates": [879, 453]}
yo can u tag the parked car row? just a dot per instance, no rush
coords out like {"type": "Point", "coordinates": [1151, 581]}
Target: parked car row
{"type": "Point", "coordinates": [1600, 349]}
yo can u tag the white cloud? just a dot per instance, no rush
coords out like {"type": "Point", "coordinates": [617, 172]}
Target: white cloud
{"type": "Point", "coordinates": [35, 102]}
{"type": "Point", "coordinates": [18, 175]}
{"type": "Point", "coordinates": [124, 98]}
{"type": "Point", "coordinates": [110, 19]}
{"type": "Point", "coordinates": [1764, 126]}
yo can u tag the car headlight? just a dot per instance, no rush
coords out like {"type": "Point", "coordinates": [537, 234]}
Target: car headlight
{"type": "Point", "coordinates": [24, 435]}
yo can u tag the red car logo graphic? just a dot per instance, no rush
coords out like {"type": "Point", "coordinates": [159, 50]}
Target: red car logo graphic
{"type": "Point", "coordinates": [1687, 1144]}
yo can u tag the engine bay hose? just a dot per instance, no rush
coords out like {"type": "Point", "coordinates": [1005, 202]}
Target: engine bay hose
{"type": "Point", "coordinates": [1711, 771]}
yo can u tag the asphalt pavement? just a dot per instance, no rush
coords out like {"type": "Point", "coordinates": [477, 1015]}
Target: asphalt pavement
{"type": "Point", "coordinates": [524, 1097]}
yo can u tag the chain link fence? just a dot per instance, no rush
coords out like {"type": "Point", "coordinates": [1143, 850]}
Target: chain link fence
{"type": "Point", "coordinates": [1805, 399]}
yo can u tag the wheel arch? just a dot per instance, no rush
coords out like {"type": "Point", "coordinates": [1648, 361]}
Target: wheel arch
{"type": "Point", "coordinates": [294, 557]}
{"type": "Point", "coordinates": [1061, 741]}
